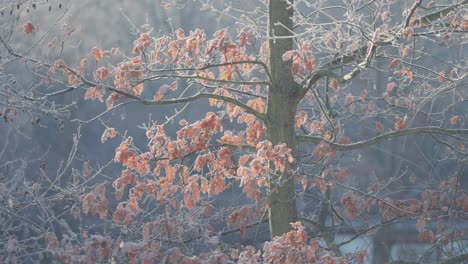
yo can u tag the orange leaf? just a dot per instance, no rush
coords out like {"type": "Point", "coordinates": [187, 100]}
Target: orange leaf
{"type": "Point", "coordinates": [97, 53]}
{"type": "Point", "coordinates": [101, 74]}
{"type": "Point", "coordinates": [454, 120]}
{"type": "Point", "coordinates": [226, 75]}
{"type": "Point", "coordinates": [243, 159]}
{"type": "Point", "coordinates": [299, 121]}
{"type": "Point", "coordinates": [441, 76]}
{"type": "Point", "coordinates": [28, 28]}
{"type": "Point", "coordinates": [295, 68]}
{"type": "Point", "coordinates": [363, 94]}
{"type": "Point", "coordinates": [203, 75]}
{"type": "Point", "coordinates": [380, 127]}
{"type": "Point", "coordinates": [188, 201]}
{"type": "Point", "coordinates": [207, 210]}
{"type": "Point", "coordinates": [173, 85]}
{"type": "Point", "coordinates": [50, 44]}
{"type": "Point", "coordinates": [410, 75]}
{"type": "Point", "coordinates": [183, 122]}
{"type": "Point", "coordinates": [400, 124]}
{"type": "Point", "coordinates": [334, 84]}
{"type": "Point", "coordinates": [85, 171]}
{"type": "Point", "coordinates": [158, 97]}
{"type": "Point", "coordinates": [137, 89]}
{"type": "Point", "coordinates": [257, 104]}
{"type": "Point", "coordinates": [408, 32]}
{"type": "Point", "coordinates": [408, 104]}
{"type": "Point", "coordinates": [394, 63]}
{"type": "Point", "coordinates": [146, 231]}
{"type": "Point", "coordinates": [132, 205]}
{"type": "Point", "coordinates": [204, 185]}
{"type": "Point", "coordinates": [405, 52]}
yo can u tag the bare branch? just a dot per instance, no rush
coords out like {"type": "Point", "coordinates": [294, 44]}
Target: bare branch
{"type": "Point", "coordinates": [375, 140]}
{"type": "Point", "coordinates": [360, 52]}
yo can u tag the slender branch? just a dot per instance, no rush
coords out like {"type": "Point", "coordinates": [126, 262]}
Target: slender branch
{"type": "Point", "coordinates": [307, 220]}
{"type": "Point", "coordinates": [258, 226]}
{"type": "Point", "coordinates": [197, 96]}
{"type": "Point", "coordinates": [377, 139]}
{"type": "Point", "coordinates": [460, 259]}
{"type": "Point", "coordinates": [220, 234]}
{"type": "Point", "coordinates": [37, 227]}
{"type": "Point", "coordinates": [64, 91]}
{"type": "Point", "coordinates": [368, 195]}
{"type": "Point", "coordinates": [453, 148]}
{"type": "Point", "coordinates": [324, 112]}
{"type": "Point", "coordinates": [103, 113]}
{"type": "Point", "coordinates": [327, 236]}
{"type": "Point", "coordinates": [363, 232]}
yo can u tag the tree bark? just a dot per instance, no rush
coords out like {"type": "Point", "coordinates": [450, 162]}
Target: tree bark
{"type": "Point", "coordinates": [283, 99]}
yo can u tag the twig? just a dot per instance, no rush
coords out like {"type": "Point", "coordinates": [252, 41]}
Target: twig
{"type": "Point", "coordinates": [377, 139]}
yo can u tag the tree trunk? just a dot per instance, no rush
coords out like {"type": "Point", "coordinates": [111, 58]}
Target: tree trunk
{"type": "Point", "coordinates": [283, 99]}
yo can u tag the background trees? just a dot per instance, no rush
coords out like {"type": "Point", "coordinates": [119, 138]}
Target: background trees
{"type": "Point", "coordinates": [330, 120]}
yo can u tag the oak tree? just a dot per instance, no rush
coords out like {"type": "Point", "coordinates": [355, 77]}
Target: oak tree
{"type": "Point", "coordinates": [309, 90]}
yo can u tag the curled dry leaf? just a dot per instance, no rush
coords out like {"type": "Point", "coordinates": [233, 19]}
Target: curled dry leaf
{"type": "Point", "coordinates": [379, 127]}
{"type": "Point", "coordinates": [454, 120]}
{"type": "Point", "coordinates": [97, 53]}
{"type": "Point", "coordinates": [28, 28]}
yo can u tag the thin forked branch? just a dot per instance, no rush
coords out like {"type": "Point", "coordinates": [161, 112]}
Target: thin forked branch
{"type": "Point", "coordinates": [389, 135]}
